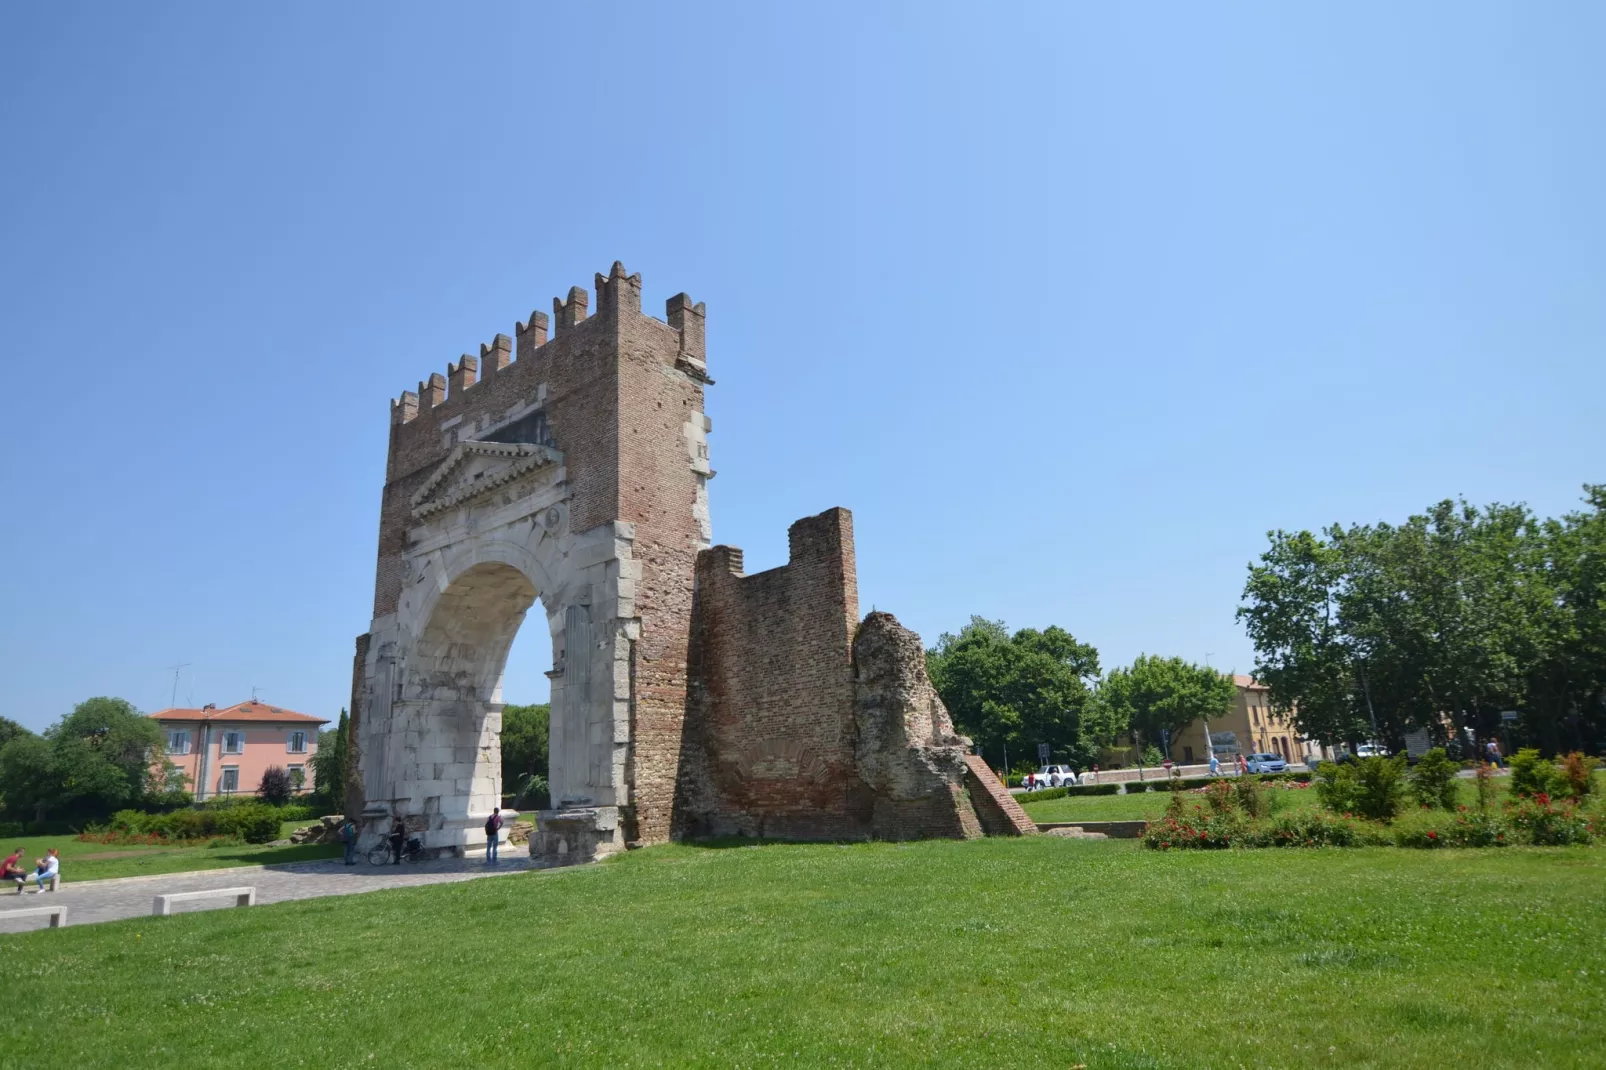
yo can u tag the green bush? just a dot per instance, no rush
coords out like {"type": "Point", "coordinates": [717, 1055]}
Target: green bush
{"type": "Point", "coordinates": [1433, 780]}
{"type": "Point", "coordinates": [257, 824]}
{"type": "Point", "coordinates": [1092, 789]}
{"type": "Point", "coordinates": [1250, 796]}
{"type": "Point", "coordinates": [1335, 787]}
{"type": "Point", "coordinates": [1576, 774]}
{"type": "Point", "coordinates": [1380, 783]}
{"type": "Point", "coordinates": [1313, 828]}
{"type": "Point", "coordinates": [1044, 795]}
{"type": "Point", "coordinates": [1531, 775]}
{"type": "Point", "coordinates": [1464, 828]}
{"type": "Point", "coordinates": [1195, 829]}
{"type": "Point", "coordinates": [1544, 824]}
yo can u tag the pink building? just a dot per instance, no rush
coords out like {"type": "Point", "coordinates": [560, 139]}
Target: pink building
{"type": "Point", "coordinates": [224, 752]}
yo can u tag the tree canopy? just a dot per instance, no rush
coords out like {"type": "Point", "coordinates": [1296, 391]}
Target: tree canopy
{"type": "Point", "coordinates": [1016, 690]}
{"type": "Point", "coordinates": [1156, 697]}
{"type": "Point", "coordinates": [1458, 613]}
{"type": "Point", "coordinates": [524, 742]}
{"type": "Point", "coordinates": [102, 756]}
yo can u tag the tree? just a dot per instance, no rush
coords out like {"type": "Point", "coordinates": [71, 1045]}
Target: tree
{"type": "Point", "coordinates": [101, 757]}
{"type": "Point", "coordinates": [1453, 616]}
{"type": "Point", "coordinates": [10, 730]}
{"type": "Point", "coordinates": [329, 764]}
{"type": "Point", "coordinates": [275, 787]}
{"type": "Point", "coordinates": [524, 743]}
{"type": "Point", "coordinates": [1016, 690]}
{"type": "Point", "coordinates": [1158, 697]}
{"type": "Point", "coordinates": [28, 777]}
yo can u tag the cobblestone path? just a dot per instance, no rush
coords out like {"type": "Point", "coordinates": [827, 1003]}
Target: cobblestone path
{"type": "Point", "coordinates": [130, 897]}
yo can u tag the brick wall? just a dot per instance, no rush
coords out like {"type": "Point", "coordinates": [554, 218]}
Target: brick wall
{"type": "Point", "coordinates": [801, 724]}
{"type": "Point", "coordinates": [770, 722]}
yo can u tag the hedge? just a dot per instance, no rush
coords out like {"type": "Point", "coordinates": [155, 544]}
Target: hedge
{"type": "Point", "coordinates": [253, 824]}
{"type": "Point", "coordinates": [1042, 795]}
{"type": "Point", "coordinates": [1092, 789]}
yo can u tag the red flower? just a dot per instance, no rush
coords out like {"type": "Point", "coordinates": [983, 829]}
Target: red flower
{"type": "Point", "coordinates": [1432, 835]}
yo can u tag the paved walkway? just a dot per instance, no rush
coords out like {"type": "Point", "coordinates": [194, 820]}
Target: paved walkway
{"type": "Point", "coordinates": [130, 897]}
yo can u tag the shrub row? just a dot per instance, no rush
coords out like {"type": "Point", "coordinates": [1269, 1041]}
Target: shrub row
{"type": "Point", "coordinates": [1044, 795]}
{"type": "Point", "coordinates": [256, 823]}
{"type": "Point", "coordinates": [1536, 821]}
{"type": "Point", "coordinates": [1091, 789]}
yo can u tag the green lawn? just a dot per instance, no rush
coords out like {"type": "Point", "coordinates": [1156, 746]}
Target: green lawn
{"type": "Point", "coordinates": [1008, 953]}
{"type": "Point", "coordinates": [1146, 804]}
{"type": "Point", "coordinates": [82, 861]}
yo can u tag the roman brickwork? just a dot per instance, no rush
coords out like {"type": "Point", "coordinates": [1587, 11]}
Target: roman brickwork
{"type": "Point", "coordinates": [568, 471]}
{"type": "Point", "coordinates": [804, 723]}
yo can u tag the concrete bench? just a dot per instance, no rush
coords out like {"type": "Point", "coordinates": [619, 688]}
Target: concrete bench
{"type": "Point", "coordinates": [53, 883]}
{"type": "Point", "coordinates": [162, 905]}
{"type": "Point", "coordinates": [57, 915]}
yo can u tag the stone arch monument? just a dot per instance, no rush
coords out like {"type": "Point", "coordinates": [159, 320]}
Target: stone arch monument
{"type": "Point", "coordinates": [571, 472]}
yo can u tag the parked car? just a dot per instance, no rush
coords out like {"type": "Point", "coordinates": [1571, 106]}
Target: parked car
{"type": "Point", "coordinates": [1371, 750]}
{"type": "Point", "coordinates": [1051, 776]}
{"type": "Point", "coordinates": [1266, 763]}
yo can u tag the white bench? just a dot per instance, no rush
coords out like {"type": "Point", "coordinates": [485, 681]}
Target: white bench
{"type": "Point", "coordinates": [57, 915]}
{"type": "Point", "coordinates": [162, 905]}
{"type": "Point", "coordinates": [54, 882]}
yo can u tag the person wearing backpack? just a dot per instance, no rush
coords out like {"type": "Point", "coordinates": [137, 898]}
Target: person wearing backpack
{"type": "Point", "coordinates": [348, 837]}
{"type": "Point", "coordinates": [493, 833]}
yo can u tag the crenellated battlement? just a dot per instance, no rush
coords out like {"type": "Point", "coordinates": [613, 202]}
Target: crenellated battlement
{"type": "Point", "coordinates": [617, 293]}
{"type": "Point", "coordinates": [618, 296]}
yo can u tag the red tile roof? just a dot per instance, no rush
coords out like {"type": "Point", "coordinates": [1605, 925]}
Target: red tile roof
{"type": "Point", "coordinates": [250, 710]}
{"type": "Point", "coordinates": [1247, 681]}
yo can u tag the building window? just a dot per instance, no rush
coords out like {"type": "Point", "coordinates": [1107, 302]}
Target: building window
{"type": "Point", "coordinates": [1187, 755]}
{"type": "Point", "coordinates": [298, 777]}
{"type": "Point", "coordinates": [231, 780]}
{"type": "Point", "coordinates": [178, 742]}
{"type": "Point", "coordinates": [298, 743]}
{"type": "Point", "coordinates": [234, 742]}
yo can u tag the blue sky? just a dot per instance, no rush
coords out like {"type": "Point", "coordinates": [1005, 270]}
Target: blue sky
{"type": "Point", "coordinates": [1069, 303]}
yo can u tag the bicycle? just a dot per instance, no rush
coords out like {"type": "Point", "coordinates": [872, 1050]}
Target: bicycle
{"type": "Point", "coordinates": [412, 851]}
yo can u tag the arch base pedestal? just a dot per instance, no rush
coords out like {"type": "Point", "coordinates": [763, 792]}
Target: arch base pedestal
{"type": "Point", "coordinates": [575, 835]}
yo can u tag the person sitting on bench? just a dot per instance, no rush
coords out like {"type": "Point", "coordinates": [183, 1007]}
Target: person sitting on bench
{"type": "Point", "coordinates": [49, 869]}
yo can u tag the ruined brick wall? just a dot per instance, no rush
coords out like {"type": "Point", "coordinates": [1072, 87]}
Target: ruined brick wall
{"type": "Point", "coordinates": [803, 724]}
{"type": "Point", "coordinates": [771, 719]}
{"type": "Point", "coordinates": [906, 748]}
{"type": "Point", "coordinates": [1000, 814]}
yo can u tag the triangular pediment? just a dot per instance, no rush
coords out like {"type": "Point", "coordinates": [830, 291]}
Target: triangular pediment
{"type": "Point", "coordinates": [476, 468]}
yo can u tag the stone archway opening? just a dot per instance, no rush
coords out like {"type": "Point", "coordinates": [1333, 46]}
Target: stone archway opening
{"type": "Point", "coordinates": [450, 706]}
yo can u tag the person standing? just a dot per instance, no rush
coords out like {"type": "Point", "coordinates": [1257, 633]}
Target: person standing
{"type": "Point", "coordinates": [398, 838]}
{"type": "Point", "coordinates": [493, 834]}
{"type": "Point", "coordinates": [1243, 766]}
{"type": "Point", "coordinates": [1492, 750]}
{"type": "Point", "coordinates": [12, 870]}
{"type": "Point", "coordinates": [348, 837]}
{"type": "Point", "coordinates": [1215, 765]}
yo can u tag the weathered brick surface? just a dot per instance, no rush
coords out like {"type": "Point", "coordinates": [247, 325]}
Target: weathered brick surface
{"type": "Point", "coordinates": [797, 730]}
{"type": "Point", "coordinates": [621, 396]}
{"type": "Point", "coordinates": [1000, 814]}
{"type": "Point", "coordinates": [688, 698]}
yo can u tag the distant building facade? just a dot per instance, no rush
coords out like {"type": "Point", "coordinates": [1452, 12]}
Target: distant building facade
{"type": "Point", "coordinates": [1251, 727]}
{"type": "Point", "coordinates": [226, 751]}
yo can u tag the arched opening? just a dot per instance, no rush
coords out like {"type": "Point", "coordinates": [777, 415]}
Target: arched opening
{"type": "Point", "coordinates": [449, 750]}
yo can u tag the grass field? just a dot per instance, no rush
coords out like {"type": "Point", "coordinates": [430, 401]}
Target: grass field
{"type": "Point", "coordinates": [82, 861]}
{"type": "Point", "coordinates": [1008, 953]}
